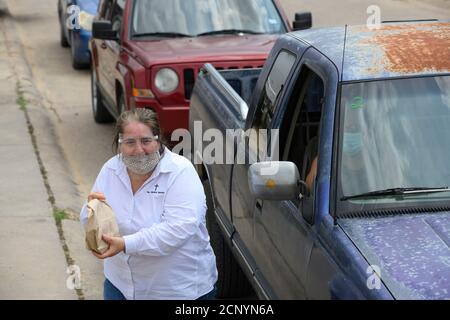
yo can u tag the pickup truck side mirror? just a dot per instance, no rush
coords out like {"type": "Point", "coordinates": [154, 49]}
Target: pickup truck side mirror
{"type": "Point", "coordinates": [274, 180]}
{"type": "Point", "coordinates": [302, 21]}
{"type": "Point", "coordinates": [103, 30]}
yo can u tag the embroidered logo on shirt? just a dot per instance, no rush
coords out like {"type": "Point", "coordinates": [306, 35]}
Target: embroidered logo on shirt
{"type": "Point", "coordinates": [155, 191]}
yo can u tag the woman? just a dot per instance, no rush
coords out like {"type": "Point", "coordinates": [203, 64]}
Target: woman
{"type": "Point", "coordinates": [159, 202]}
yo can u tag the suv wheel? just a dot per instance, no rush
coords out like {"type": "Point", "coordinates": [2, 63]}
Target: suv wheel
{"type": "Point", "coordinates": [101, 114]}
{"type": "Point", "coordinates": [62, 37]}
{"type": "Point", "coordinates": [76, 63]}
{"type": "Point", "coordinates": [231, 282]}
{"type": "Point", "coordinates": [122, 107]}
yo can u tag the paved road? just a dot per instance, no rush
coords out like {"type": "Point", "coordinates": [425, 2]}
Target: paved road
{"type": "Point", "coordinates": [33, 263]}
{"type": "Point", "coordinates": [66, 91]}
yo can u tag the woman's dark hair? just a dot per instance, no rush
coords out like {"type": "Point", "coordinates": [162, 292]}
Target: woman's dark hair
{"type": "Point", "coordinates": [141, 115]}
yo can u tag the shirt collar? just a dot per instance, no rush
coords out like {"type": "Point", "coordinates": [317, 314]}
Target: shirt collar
{"type": "Point", "coordinates": [166, 164]}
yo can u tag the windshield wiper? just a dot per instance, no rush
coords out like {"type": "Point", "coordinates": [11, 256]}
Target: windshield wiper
{"type": "Point", "coordinates": [397, 191]}
{"type": "Point", "coordinates": [162, 34]}
{"type": "Point", "coordinates": [228, 31]}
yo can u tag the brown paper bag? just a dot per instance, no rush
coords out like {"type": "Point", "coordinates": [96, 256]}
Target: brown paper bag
{"type": "Point", "coordinates": [101, 220]}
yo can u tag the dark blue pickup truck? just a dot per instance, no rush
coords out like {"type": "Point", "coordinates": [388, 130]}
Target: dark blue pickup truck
{"type": "Point", "coordinates": [357, 127]}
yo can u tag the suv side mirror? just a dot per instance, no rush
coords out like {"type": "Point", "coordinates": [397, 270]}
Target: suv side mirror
{"type": "Point", "coordinates": [303, 20]}
{"type": "Point", "coordinates": [103, 30]}
{"type": "Point", "coordinates": [274, 180]}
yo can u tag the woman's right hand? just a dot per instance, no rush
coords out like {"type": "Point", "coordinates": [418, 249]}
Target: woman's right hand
{"type": "Point", "coordinates": [96, 195]}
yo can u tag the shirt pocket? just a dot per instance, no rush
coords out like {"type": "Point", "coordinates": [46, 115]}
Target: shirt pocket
{"type": "Point", "coordinates": [151, 209]}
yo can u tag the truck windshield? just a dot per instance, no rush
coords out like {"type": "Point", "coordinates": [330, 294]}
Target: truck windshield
{"type": "Point", "coordinates": [394, 134]}
{"type": "Point", "coordinates": [205, 17]}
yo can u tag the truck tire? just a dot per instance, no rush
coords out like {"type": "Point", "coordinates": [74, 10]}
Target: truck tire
{"type": "Point", "coordinates": [231, 282]}
{"type": "Point", "coordinates": [101, 114]}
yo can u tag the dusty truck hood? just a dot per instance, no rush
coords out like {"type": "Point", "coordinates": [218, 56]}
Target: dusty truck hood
{"type": "Point", "coordinates": [208, 48]}
{"type": "Point", "coordinates": [412, 251]}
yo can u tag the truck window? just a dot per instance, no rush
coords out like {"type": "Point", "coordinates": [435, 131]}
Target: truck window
{"type": "Point", "coordinates": [272, 89]}
{"type": "Point", "coordinates": [393, 135]}
{"type": "Point", "coordinates": [301, 123]}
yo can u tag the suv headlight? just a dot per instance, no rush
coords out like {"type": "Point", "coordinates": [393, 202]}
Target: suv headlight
{"type": "Point", "coordinates": [166, 80]}
{"type": "Point", "coordinates": [86, 20]}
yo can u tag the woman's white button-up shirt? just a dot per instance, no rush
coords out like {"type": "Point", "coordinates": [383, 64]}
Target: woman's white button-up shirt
{"type": "Point", "coordinates": [168, 254]}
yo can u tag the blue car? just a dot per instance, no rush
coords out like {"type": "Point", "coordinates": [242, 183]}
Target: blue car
{"type": "Point", "coordinates": [75, 19]}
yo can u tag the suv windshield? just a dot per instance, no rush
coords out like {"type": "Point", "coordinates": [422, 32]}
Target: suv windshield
{"type": "Point", "coordinates": [394, 134]}
{"type": "Point", "coordinates": [197, 17]}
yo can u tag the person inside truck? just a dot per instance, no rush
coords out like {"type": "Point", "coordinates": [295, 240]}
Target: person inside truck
{"type": "Point", "coordinates": [311, 117]}
{"type": "Point", "coordinates": [352, 150]}
{"type": "Point", "coordinates": [353, 143]}
{"type": "Point", "coordinates": [159, 202]}
{"type": "Point", "coordinates": [354, 175]}
{"type": "Point", "coordinates": [311, 176]}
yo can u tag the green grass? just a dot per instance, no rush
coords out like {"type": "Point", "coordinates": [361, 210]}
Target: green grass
{"type": "Point", "coordinates": [21, 101]}
{"type": "Point", "coordinates": [60, 215]}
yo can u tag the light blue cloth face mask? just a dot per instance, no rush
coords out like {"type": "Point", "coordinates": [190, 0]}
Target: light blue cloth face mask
{"type": "Point", "coordinates": [352, 143]}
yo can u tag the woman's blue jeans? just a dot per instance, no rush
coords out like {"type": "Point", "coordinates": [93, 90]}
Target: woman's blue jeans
{"type": "Point", "coordinates": [110, 292]}
{"type": "Point", "coordinates": [210, 295]}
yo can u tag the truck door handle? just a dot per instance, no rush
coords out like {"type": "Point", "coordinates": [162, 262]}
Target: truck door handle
{"type": "Point", "coordinates": [259, 205]}
{"type": "Point", "coordinates": [103, 45]}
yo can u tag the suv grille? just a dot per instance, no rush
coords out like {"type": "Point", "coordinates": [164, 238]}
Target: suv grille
{"type": "Point", "coordinates": [190, 74]}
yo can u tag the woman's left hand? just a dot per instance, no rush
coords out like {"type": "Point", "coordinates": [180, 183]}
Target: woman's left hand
{"type": "Point", "coordinates": [116, 245]}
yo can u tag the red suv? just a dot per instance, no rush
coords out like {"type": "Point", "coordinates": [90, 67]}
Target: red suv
{"type": "Point", "coordinates": [147, 53]}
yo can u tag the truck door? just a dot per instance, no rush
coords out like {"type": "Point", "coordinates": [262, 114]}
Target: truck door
{"type": "Point", "coordinates": [243, 204]}
{"type": "Point", "coordinates": [282, 229]}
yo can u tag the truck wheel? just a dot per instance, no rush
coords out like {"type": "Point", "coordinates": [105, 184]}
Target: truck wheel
{"type": "Point", "coordinates": [231, 282]}
{"type": "Point", "coordinates": [101, 114]}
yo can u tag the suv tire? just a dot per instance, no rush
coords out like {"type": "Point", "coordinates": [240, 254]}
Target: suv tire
{"type": "Point", "coordinates": [62, 37]}
{"type": "Point", "coordinates": [76, 63]}
{"type": "Point", "coordinates": [101, 114]}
